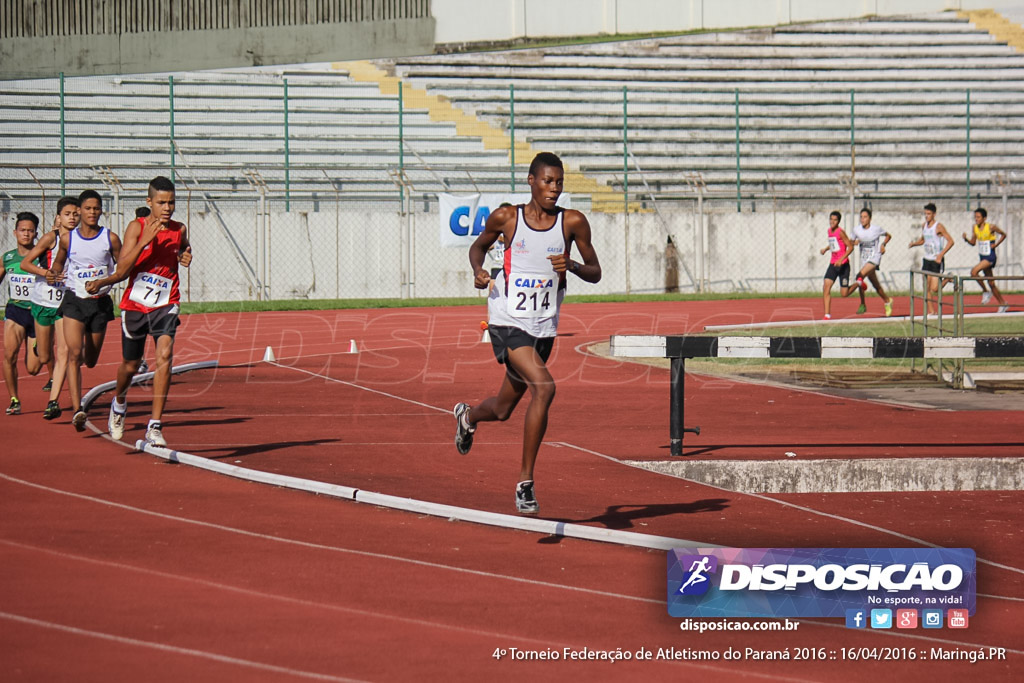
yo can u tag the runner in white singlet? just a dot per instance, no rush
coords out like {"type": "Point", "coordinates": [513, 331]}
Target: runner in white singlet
{"type": "Point", "coordinates": [89, 252]}
{"type": "Point", "coordinates": [872, 240]}
{"type": "Point", "coordinates": [46, 301]}
{"type": "Point", "coordinates": [523, 308]}
{"type": "Point", "coordinates": [936, 242]}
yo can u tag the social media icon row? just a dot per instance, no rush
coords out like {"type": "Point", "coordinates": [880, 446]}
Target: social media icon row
{"type": "Point", "coordinates": [905, 618]}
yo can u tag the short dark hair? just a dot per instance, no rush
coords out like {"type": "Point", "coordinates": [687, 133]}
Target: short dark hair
{"type": "Point", "coordinates": [67, 201]}
{"type": "Point", "coordinates": [838, 215]}
{"type": "Point", "coordinates": [867, 211]}
{"type": "Point", "coordinates": [930, 207]}
{"type": "Point", "coordinates": [142, 212]}
{"type": "Point", "coordinates": [160, 184]}
{"type": "Point", "coordinates": [545, 159]}
{"type": "Point", "coordinates": [89, 194]}
{"type": "Point", "coordinates": [27, 216]}
{"type": "Point", "coordinates": [983, 212]}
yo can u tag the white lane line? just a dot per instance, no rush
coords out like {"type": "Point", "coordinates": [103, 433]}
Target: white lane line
{"type": "Point", "coordinates": [274, 596]}
{"type": "Point", "coordinates": [785, 503]}
{"type": "Point", "coordinates": [754, 495]}
{"type": "Point", "coordinates": [224, 659]}
{"type": "Point", "coordinates": [330, 548]}
{"type": "Point", "coordinates": [319, 605]}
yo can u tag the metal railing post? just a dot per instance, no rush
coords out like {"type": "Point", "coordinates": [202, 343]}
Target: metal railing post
{"type": "Point", "coordinates": [287, 155]}
{"type": "Point", "coordinates": [401, 140]}
{"type": "Point", "coordinates": [968, 149]}
{"type": "Point", "coordinates": [170, 107]}
{"type": "Point", "coordinates": [512, 134]}
{"type": "Point", "coordinates": [625, 177]}
{"type": "Point", "coordinates": [63, 148]}
{"type": "Point", "coordinates": [739, 200]}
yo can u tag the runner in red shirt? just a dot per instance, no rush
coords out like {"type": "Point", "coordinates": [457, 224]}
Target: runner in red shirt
{"type": "Point", "coordinates": [153, 249]}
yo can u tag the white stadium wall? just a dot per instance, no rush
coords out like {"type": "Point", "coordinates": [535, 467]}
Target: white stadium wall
{"type": "Point", "coordinates": [751, 252]}
{"type": "Point", "coordinates": [472, 21]}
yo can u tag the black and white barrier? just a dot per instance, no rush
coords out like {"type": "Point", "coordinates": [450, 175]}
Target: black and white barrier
{"type": "Point", "coordinates": [680, 347]}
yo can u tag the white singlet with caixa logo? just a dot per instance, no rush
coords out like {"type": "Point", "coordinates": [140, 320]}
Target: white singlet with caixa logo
{"type": "Point", "coordinates": [528, 292]}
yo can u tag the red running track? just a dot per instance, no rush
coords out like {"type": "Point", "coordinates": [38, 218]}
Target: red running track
{"type": "Point", "coordinates": [119, 567]}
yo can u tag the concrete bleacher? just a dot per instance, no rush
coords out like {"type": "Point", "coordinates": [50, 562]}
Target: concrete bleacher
{"type": "Point", "coordinates": [909, 77]}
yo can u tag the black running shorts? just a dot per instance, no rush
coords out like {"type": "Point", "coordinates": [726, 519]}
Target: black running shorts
{"type": "Point", "coordinates": [932, 266]}
{"type": "Point", "coordinates": [93, 313]}
{"type": "Point", "coordinates": [504, 339]}
{"type": "Point", "coordinates": [136, 326]}
{"type": "Point", "coordinates": [840, 274]}
{"type": "Point", "coordinates": [21, 316]}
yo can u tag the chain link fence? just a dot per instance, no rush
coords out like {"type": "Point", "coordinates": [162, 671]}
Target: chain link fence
{"type": "Point", "coordinates": [314, 185]}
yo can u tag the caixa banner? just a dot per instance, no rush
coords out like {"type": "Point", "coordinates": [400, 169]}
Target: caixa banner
{"type": "Point", "coordinates": [817, 582]}
{"type": "Point", "coordinates": [463, 216]}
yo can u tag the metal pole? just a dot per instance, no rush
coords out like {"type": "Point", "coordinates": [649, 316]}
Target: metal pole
{"type": "Point", "coordinates": [700, 233]}
{"type": "Point", "coordinates": [853, 143]}
{"type": "Point", "coordinates": [170, 106]}
{"type": "Point", "coordinates": [62, 146]}
{"type": "Point", "coordinates": [287, 166]}
{"type": "Point", "coordinates": [625, 176]}
{"type": "Point", "coordinates": [738, 195]}
{"type": "Point", "coordinates": [675, 429]}
{"type": "Point", "coordinates": [512, 133]}
{"type": "Point", "coordinates": [401, 141]}
{"type": "Point", "coordinates": [968, 149]}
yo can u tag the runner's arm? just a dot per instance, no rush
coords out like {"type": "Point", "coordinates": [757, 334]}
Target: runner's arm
{"type": "Point", "coordinates": [29, 265]}
{"type": "Point", "coordinates": [847, 243]}
{"type": "Point", "coordinates": [997, 230]}
{"type": "Point", "coordinates": [495, 227]}
{"type": "Point", "coordinates": [941, 230]}
{"type": "Point", "coordinates": [185, 255]}
{"type": "Point", "coordinates": [56, 272]}
{"type": "Point", "coordinates": [126, 256]}
{"type": "Point", "coordinates": [579, 230]}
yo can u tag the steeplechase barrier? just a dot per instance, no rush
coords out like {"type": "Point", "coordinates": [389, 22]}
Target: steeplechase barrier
{"type": "Point", "coordinates": [678, 348]}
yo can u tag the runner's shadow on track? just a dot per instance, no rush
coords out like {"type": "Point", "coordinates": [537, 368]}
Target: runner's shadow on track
{"type": "Point", "coordinates": [623, 516]}
{"type": "Point", "coordinates": [253, 449]}
{"type": "Point", "coordinates": [209, 423]}
{"type": "Point", "coordinates": [143, 410]}
{"type": "Point", "coordinates": [794, 446]}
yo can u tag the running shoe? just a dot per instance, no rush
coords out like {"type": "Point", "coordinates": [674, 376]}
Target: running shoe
{"type": "Point", "coordinates": [48, 385]}
{"type": "Point", "coordinates": [986, 297]}
{"type": "Point", "coordinates": [52, 411]}
{"type": "Point", "coordinates": [14, 408]}
{"type": "Point", "coordinates": [888, 308]}
{"type": "Point", "coordinates": [863, 285]}
{"type": "Point", "coordinates": [115, 423]}
{"type": "Point", "coordinates": [526, 502]}
{"type": "Point", "coordinates": [143, 367]}
{"type": "Point", "coordinates": [827, 317]}
{"type": "Point", "coordinates": [1003, 309]}
{"type": "Point", "coordinates": [78, 420]}
{"type": "Point", "coordinates": [862, 309]}
{"type": "Point", "coordinates": [154, 436]}
{"type": "Point", "coordinates": [463, 432]}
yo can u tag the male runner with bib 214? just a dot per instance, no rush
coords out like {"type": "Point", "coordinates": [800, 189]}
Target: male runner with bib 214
{"type": "Point", "coordinates": [523, 308]}
{"type": "Point", "coordinates": [154, 247]}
